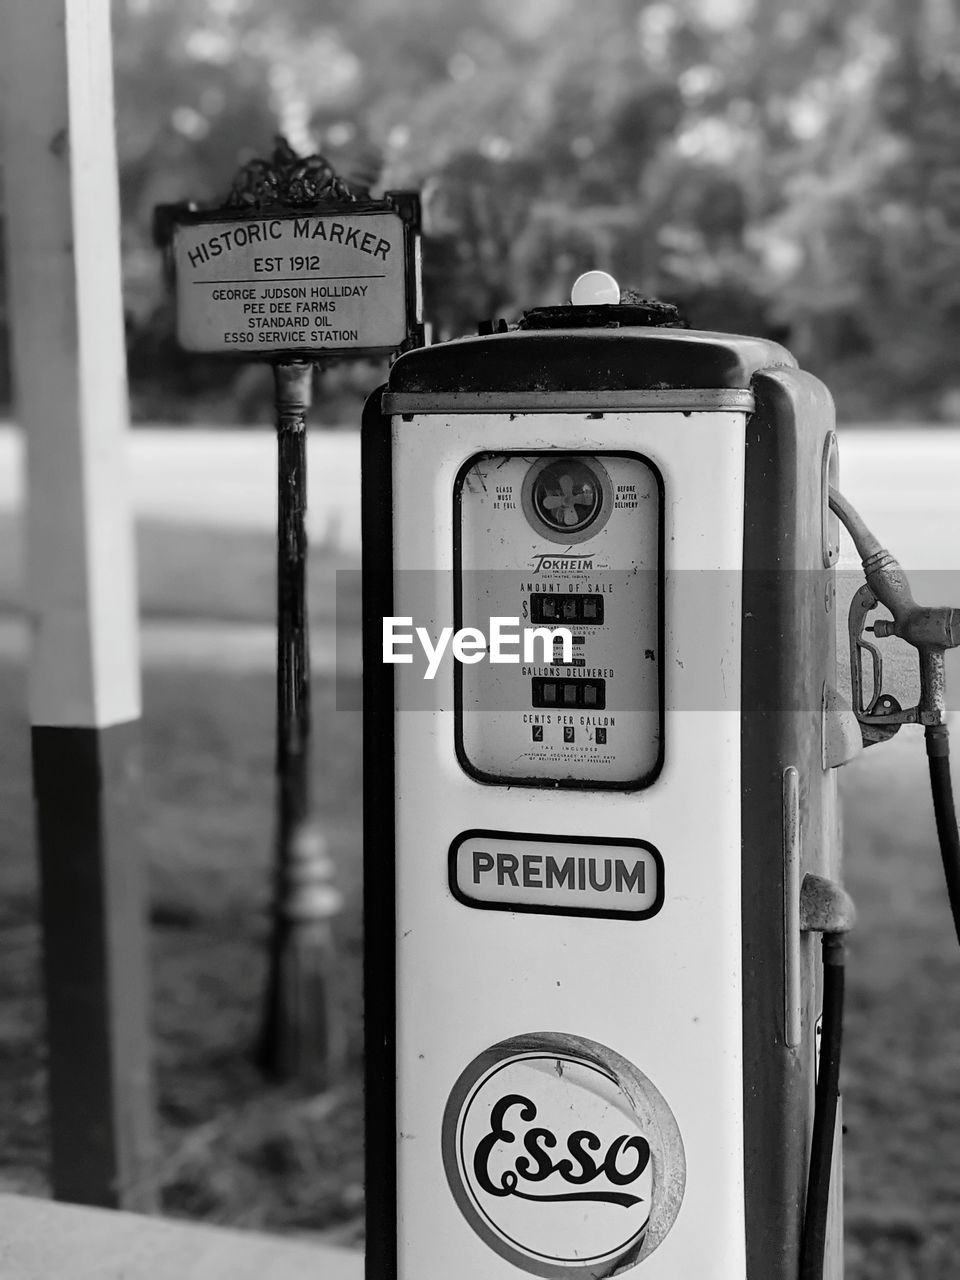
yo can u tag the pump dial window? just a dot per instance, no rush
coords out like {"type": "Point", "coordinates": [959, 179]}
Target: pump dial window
{"type": "Point", "coordinates": [567, 499]}
{"type": "Point", "coordinates": [591, 718]}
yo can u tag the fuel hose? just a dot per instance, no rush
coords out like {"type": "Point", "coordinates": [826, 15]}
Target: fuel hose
{"type": "Point", "coordinates": [889, 583]}
{"type": "Point", "coordinates": [938, 757]}
{"type": "Point", "coordinates": [814, 1238]}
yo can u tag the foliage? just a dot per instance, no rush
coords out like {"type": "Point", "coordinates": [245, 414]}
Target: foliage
{"type": "Point", "coordinates": [783, 167]}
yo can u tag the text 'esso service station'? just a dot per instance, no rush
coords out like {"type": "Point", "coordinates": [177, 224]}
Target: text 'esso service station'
{"type": "Point", "coordinates": [599, 870]}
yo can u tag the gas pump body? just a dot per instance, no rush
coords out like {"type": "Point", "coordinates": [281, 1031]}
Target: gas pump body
{"type": "Point", "coordinates": [591, 1012]}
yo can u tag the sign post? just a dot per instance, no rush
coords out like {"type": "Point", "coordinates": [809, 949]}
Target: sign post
{"type": "Point", "coordinates": [298, 268]}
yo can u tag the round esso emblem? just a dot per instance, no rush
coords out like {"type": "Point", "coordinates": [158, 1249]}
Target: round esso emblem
{"type": "Point", "coordinates": [562, 1156]}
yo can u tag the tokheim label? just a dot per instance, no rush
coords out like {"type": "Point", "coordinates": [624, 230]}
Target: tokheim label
{"type": "Point", "coordinates": [563, 1156]}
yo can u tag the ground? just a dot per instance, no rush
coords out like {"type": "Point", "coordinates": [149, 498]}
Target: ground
{"type": "Point", "coordinates": [231, 1149]}
{"type": "Point", "coordinates": [235, 1151]}
{"type": "Point", "coordinates": [901, 1073]}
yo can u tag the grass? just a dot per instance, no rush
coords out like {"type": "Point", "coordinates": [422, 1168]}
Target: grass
{"type": "Point", "coordinates": [231, 1149]}
{"type": "Point", "coordinates": [192, 571]}
{"type": "Point", "coordinates": [902, 1039]}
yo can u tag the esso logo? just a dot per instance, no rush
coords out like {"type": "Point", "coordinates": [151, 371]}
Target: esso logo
{"type": "Point", "coordinates": [562, 1156]}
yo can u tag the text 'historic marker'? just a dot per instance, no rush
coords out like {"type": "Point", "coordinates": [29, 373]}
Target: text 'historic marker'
{"type": "Point", "coordinates": [291, 283]}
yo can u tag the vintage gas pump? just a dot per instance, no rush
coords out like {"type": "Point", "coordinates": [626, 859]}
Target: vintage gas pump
{"type": "Point", "coordinates": [597, 861]}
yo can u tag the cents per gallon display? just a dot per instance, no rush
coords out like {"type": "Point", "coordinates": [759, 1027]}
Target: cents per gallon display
{"type": "Point", "coordinates": [292, 283]}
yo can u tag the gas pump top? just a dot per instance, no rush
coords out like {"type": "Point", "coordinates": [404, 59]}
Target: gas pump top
{"type": "Point", "coordinates": [605, 351]}
{"type": "Point", "coordinates": [603, 342]}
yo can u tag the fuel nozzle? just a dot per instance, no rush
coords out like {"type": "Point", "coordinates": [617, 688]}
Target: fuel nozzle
{"type": "Point", "coordinates": [930, 630]}
{"type": "Point", "coordinates": [919, 625]}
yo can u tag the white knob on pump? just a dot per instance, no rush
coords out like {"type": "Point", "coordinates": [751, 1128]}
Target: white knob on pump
{"type": "Point", "coordinates": [595, 289]}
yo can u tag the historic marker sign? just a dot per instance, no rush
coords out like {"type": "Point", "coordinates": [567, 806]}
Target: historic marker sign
{"type": "Point", "coordinates": [298, 282]}
{"type": "Point", "coordinates": [298, 267]}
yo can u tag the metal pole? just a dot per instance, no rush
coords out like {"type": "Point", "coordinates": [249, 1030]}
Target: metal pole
{"type": "Point", "coordinates": [302, 1037]}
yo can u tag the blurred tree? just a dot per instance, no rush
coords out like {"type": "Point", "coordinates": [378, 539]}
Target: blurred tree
{"type": "Point", "coordinates": [787, 167]}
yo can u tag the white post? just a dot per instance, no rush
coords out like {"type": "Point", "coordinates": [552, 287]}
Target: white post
{"type": "Point", "coordinates": [63, 261]}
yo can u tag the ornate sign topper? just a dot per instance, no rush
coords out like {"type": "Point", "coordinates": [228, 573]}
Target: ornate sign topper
{"type": "Point", "coordinates": [295, 263]}
{"type": "Point", "coordinates": [562, 1156]}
